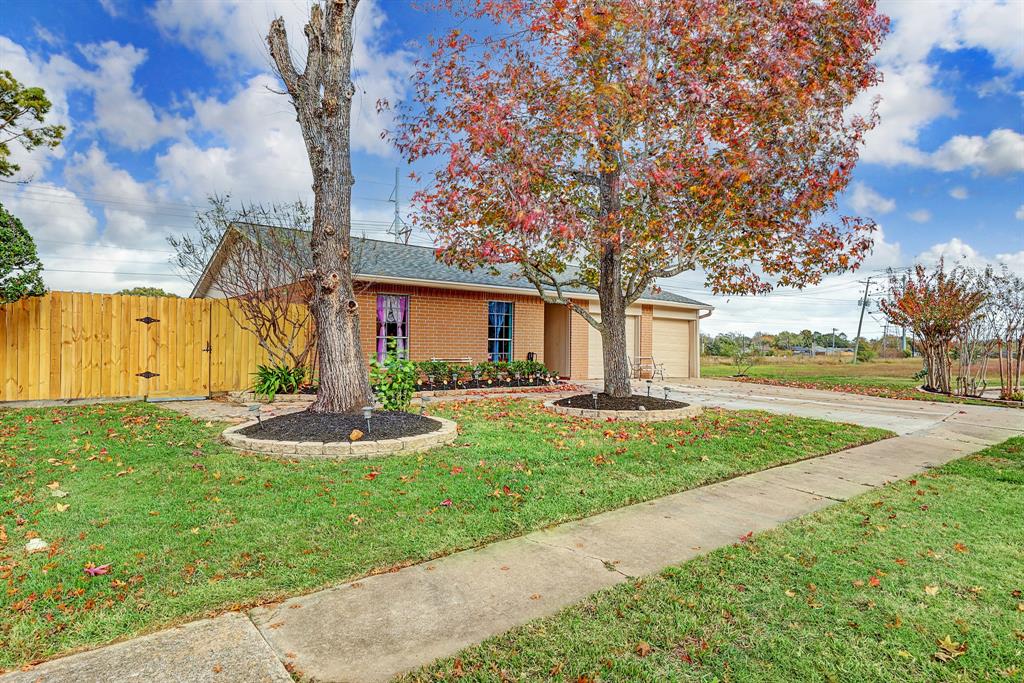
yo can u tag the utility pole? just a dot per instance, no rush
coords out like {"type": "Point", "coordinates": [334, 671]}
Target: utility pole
{"type": "Point", "coordinates": [860, 323]}
{"type": "Point", "coordinates": [833, 341]}
{"type": "Point", "coordinates": [398, 228]}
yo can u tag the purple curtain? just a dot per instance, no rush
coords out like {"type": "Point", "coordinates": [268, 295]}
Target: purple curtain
{"type": "Point", "coordinates": [400, 314]}
{"type": "Point", "coordinates": [382, 326]}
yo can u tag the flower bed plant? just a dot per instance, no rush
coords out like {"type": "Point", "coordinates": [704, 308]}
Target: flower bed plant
{"type": "Point", "coordinates": [443, 376]}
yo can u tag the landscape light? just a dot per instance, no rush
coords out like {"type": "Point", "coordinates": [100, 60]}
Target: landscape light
{"type": "Point", "coordinates": [649, 382]}
{"type": "Point", "coordinates": [593, 395]}
{"type": "Point", "coordinates": [367, 414]}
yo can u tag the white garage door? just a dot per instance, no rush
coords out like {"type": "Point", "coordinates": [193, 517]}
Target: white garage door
{"type": "Point", "coordinates": [672, 346]}
{"type": "Point", "coordinates": [595, 357]}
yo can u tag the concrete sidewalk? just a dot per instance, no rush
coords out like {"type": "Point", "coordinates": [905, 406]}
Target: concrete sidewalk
{"type": "Point", "coordinates": [375, 628]}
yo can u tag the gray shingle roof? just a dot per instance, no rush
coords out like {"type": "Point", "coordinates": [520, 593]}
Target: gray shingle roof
{"type": "Point", "coordinates": [377, 258]}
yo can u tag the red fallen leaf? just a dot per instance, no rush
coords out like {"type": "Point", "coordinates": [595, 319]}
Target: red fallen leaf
{"type": "Point", "coordinates": [960, 548]}
{"type": "Point", "coordinates": [456, 470]}
{"type": "Point", "coordinates": [746, 537]}
{"type": "Point", "coordinates": [874, 581]}
{"type": "Point", "coordinates": [93, 570]}
{"type": "Point", "coordinates": [506, 489]}
{"type": "Point", "coordinates": [447, 502]}
{"type": "Point", "coordinates": [370, 476]}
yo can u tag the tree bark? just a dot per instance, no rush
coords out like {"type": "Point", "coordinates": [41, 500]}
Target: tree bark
{"type": "Point", "coordinates": [610, 294]}
{"type": "Point", "coordinates": [613, 324]}
{"type": "Point", "coordinates": [322, 97]}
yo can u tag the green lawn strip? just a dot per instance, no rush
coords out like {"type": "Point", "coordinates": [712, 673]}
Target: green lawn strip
{"type": "Point", "coordinates": [832, 378]}
{"type": "Point", "coordinates": [191, 527]}
{"type": "Point", "coordinates": [868, 590]}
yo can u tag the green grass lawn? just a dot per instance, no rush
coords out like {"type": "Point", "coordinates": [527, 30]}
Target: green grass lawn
{"type": "Point", "coordinates": [921, 580]}
{"type": "Point", "coordinates": [190, 527]}
{"type": "Point", "coordinates": [883, 378]}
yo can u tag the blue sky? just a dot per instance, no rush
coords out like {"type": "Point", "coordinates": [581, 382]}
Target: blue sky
{"type": "Point", "coordinates": [169, 101]}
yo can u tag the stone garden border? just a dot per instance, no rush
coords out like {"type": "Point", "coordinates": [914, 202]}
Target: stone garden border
{"type": "Point", "coordinates": [342, 449]}
{"type": "Point", "coordinates": [247, 396]}
{"type": "Point", "coordinates": [691, 410]}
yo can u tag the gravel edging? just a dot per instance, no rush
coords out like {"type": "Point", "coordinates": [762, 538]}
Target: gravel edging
{"type": "Point", "coordinates": [691, 410]}
{"type": "Point", "coordinates": [341, 449]}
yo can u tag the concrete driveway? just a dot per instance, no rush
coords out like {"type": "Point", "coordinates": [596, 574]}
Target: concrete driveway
{"type": "Point", "coordinates": [902, 417]}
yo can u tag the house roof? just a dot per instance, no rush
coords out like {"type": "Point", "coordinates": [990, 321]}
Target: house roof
{"type": "Point", "coordinates": [379, 259]}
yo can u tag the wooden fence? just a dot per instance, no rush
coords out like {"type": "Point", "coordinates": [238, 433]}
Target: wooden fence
{"type": "Point", "coordinates": [69, 345]}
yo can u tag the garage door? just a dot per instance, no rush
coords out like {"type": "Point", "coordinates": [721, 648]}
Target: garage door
{"type": "Point", "coordinates": [672, 346]}
{"type": "Point", "coordinates": [595, 359]}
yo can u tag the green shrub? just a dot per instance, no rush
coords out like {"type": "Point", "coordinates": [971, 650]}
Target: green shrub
{"type": "Point", "coordinates": [272, 380]}
{"type": "Point", "coordinates": [435, 371]}
{"type": "Point", "coordinates": [393, 380]}
{"type": "Point", "coordinates": [865, 353]}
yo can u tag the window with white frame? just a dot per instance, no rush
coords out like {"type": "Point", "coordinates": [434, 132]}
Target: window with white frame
{"type": "Point", "coordinates": [392, 324]}
{"type": "Point", "coordinates": [499, 331]}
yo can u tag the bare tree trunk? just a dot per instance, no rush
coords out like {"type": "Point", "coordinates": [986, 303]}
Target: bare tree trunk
{"type": "Point", "coordinates": [322, 97]}
{"type": "Point", "coordinates": [937, 361]}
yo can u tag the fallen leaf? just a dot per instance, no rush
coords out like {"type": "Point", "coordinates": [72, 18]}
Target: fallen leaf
{"type": "Point", "coordinates": [874, 581]}
{"type": "Point", "coordinates": [643, 649]}
{"type": "Point", "coordinates": [949, 649]}
{"type": "Point", "coordinates": [94, 570]}
{"type": "Point", "coordinates": [960, 548]}
{"type": "Point", "coordinates": [57, 493]}
{"type": "Point", "coordinates": [61, 507]}
{"type": "Point", "coordinates": [53, 485]}
{"type": "Point", "coordinates": [447, 502]}
{"type": "Point", "coordinates": [931, 590]}
{"type": "Point", "coordinates": [355, 435]}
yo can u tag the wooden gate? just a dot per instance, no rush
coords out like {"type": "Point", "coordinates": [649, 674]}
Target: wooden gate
{"type": "Point", "coordinates": [75, 345]}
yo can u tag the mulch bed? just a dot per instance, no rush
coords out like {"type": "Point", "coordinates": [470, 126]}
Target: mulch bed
{"type": "Point", "coordinates": [307, 426]}
{"type": "Point", "coordinates": [606, 402]}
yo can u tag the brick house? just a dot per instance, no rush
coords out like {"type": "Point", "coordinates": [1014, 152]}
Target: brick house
{"type": "Point", "coordinates": [433, 310]}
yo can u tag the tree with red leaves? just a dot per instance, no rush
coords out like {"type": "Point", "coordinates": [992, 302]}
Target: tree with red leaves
{"type": "Point", "coordinates": [605, 144]}
{"type": "Point", "coordinates": [937, 306]}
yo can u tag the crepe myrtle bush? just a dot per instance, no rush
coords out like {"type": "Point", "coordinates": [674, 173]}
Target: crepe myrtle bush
{"type": "Point", "coordinates": [393, 379]}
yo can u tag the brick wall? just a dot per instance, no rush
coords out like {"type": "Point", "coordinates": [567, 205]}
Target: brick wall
{"type": "Point", "coordinates": [647, 330]}
{"type": "Point", "coordinates": [449, 323]}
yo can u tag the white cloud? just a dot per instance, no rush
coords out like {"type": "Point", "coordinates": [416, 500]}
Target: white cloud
{"type": "Point", "coordinates": [122, 112]}
{"type": "Point", "coordinates": [1019, 213]}
{"type": "Point", "coordinates": [959, 192]}
{"type": "Point", "coordinates": [233, 33]}
{"type": "Point", "coordinates": [1001, 152]}
{"type": "Point", "coordinates": [911, 98]}
{"type": "Point", "coordinates": [833, 303]}
{"type": "Point", "coordinates": [866, 201]}
{"type": "Point", "coordinates": [920, 215]}
{"type": "Point", "coordinates": [958, 252]}
{"type": "Point", "coordinates": [260, 154]}
{"type": "Point", "coordinates": [53, 214]}
{"type": "Point", "coordinates": [909, 102]}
